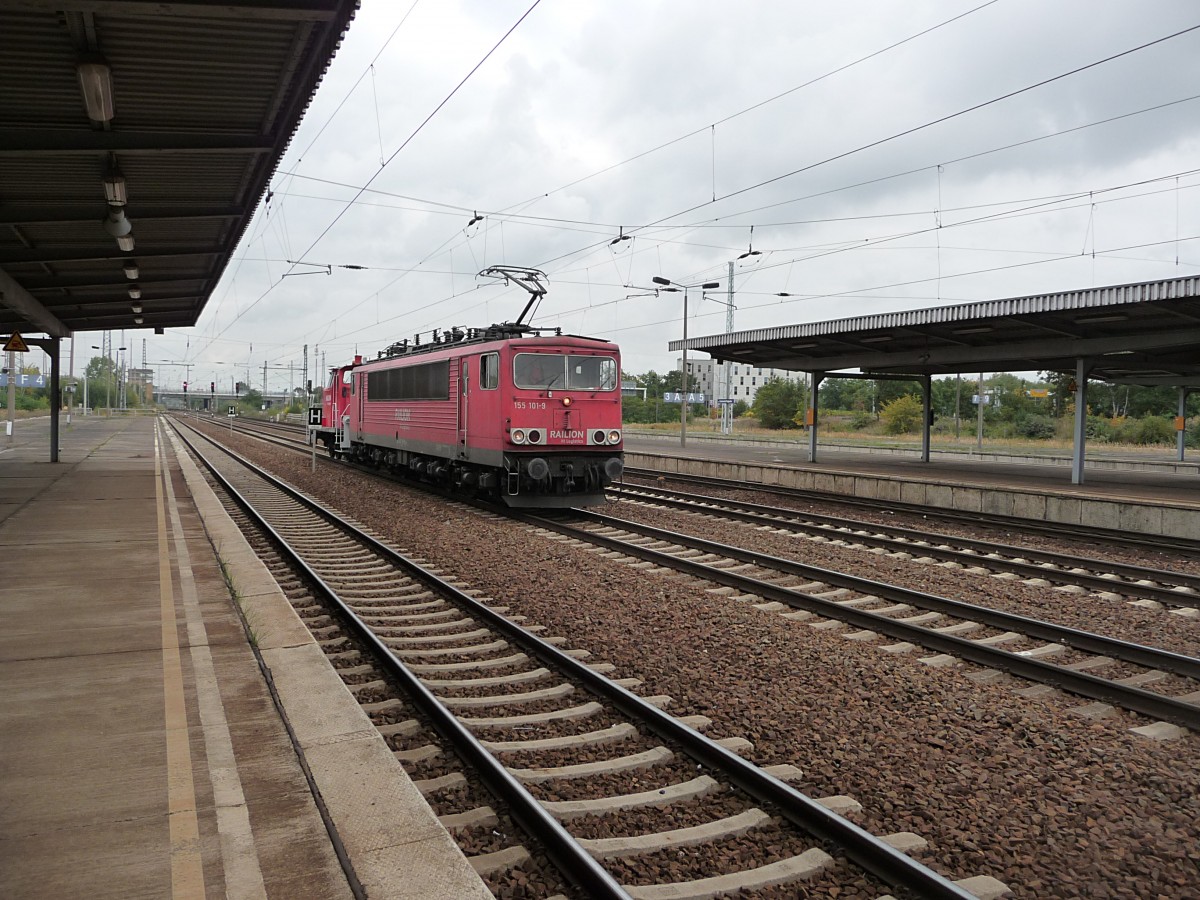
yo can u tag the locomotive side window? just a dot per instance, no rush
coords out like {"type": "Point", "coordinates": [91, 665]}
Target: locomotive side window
{"type": "Point", "coordinates": [489, 371]}
{"type": "Point", "coordinates": [430, 381]}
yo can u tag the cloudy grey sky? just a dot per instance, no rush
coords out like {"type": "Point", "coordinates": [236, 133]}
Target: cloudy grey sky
{"type": "Point", "coordinates": [688, 123]}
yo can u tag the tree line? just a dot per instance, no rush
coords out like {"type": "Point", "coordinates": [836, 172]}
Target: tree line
{"type": "Point", "coordinates": [1013, 407]}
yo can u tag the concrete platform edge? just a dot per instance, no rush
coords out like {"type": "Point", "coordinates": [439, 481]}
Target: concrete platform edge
{"type": "Point", "coordinates": [395, 843]}
{"type": "Point", "coordinates": [1125, 514]}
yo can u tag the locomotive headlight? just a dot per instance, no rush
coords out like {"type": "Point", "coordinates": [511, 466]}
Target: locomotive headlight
{"type": "Point", "coordinates": [566, 401]}
{"type": "Point", "coordinates": [518, 436]}
{"type": "Point", "coordinates": [614, 437]}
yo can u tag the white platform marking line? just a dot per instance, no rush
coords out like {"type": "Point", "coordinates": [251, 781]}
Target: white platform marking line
{"type": "Point", "coordinates": [243, 876]}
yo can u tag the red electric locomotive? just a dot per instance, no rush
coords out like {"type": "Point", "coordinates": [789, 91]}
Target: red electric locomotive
{"type": "Point", "coordinates": [510, 411]}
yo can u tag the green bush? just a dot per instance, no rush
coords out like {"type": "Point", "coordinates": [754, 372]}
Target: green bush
{"type": "Point", "coordinates": [636, 411]}
{"type": "Point", "coordinates": [777, 402]}
{"type": "Point", "coordinates": [1100, 430]}
{"type": "Point", "coordinates": [30, 400]}
{"type": "Point", "coordinates": [861, 419]}
{"type": "Point", "coordinates": [1037, 427]}
{"type": "Point", "coordinates": [902, 415]}
{"type": "Point", "coordinates": [1147, 430]}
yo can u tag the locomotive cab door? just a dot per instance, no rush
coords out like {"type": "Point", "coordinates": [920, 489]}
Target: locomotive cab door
{"type": "Point", "coordinates": [464, 382]}
{"type": "Point", "coordinates": [360, 381]}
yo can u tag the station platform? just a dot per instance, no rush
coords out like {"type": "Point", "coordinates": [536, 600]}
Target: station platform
{"type": "Point", "coordinates": [1128, 495]}
{"type": "Point", "coordinates": [143, 750]}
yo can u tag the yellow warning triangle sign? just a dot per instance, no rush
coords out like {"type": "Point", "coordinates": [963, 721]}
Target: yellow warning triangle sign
{"type": "Point", "coordinates": [16, 344]}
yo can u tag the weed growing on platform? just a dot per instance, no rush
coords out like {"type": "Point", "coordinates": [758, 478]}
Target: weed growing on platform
{"type": "Point", "coordinates": [239, 601]}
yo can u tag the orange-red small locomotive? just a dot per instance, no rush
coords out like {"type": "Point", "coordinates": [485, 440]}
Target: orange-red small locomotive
{"type": "Point", "coordinates": [528, 415]}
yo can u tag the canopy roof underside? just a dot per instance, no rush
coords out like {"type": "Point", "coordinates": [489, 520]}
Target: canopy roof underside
{"type": "Point", "coordinates": [202, 100]}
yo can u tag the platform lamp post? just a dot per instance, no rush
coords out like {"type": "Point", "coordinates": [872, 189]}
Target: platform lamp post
{"type": "Point", "coordinates": [674, 287]}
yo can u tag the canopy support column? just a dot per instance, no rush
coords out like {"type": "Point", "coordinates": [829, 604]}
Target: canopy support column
{"type": "Point", "coordinates": [927, 417]}
{"type": "Point", "coordinates": [55, 397]}
{"type": "Point", "coordinates": [1181, 423]}
{"type": "Point", "coordinates": [812, 417]}
{"type": "Point", "coordinates": [1080, 438]}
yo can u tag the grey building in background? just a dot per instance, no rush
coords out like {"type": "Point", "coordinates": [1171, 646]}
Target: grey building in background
{"type": "Point", "coordinates": [744, 379]}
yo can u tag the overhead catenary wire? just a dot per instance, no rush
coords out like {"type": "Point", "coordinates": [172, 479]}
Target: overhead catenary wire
{"type": "Point", "coordinates": [911, 282]}
{"type": "Point", "coordinates": [449, 242]}
{"type": "Point", "coordinates": [602, 226]}
{"type": "Point", "coordinates": [907, 131]}
{"type": "Point", "coordinates": [394, 154]}
{"type": "Point", "coordinates": [727, 118]}
{"type": "Point", "coordinates": [1034, 206]}
{"type": "Point", "coordinates": [1008, 213]}
{"type": "Point", "coordinates": [260, 227]}
{"type": "Point", "coordinates": [761, 103]}
{"type": "Point", "coordinates": [599, 227]}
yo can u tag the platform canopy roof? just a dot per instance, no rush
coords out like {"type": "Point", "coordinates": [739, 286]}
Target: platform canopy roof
{"type": "Point", "coordinates": [161, 119]}
{"type": "Point", "coordinates": [1144, 333]}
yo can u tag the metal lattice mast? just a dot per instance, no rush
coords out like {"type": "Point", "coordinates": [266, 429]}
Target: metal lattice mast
{"type": "Point", "coordinates": [726, 367]}
{"type": "Point", "coordinates": [729, 308]}
{"type": "Point", "coordinates": [107, 350]}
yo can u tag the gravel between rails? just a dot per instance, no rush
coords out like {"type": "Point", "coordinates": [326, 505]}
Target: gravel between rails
{"type": "Point", "coordinates": [1054, 805]}
{"type": "Point", "coordinates": [1089, 612]}
{"type": "Point", "coordinates": [932, 523]}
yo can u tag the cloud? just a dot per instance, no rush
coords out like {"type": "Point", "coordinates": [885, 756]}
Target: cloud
{"type": "Point", "coordinates": [579, 88]}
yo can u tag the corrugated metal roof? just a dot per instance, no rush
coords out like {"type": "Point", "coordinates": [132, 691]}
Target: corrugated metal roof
{"type": "Point", "coordinates": [1095, 298]}
{"type": "Point", "coordinates": [1145, 332]}
{"type": "Point", "coordinates": [206, 97]}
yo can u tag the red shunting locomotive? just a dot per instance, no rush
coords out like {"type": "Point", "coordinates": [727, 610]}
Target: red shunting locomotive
{"type": "Point", "coordinates": [510, 411]}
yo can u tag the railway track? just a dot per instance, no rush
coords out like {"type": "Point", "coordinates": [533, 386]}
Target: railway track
{"type": "Point", "coordinates": [516, 708]}
{"type": "Point", "coordinates": [998, 640]}
{"type": "Point", "coordinates": [1055, 530]}
{"type": "Point", "coordinates": [1106, 577]}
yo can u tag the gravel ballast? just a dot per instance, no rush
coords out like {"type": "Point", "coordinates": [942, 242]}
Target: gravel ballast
{"type": "Point", "coordinates": [1048, 802]}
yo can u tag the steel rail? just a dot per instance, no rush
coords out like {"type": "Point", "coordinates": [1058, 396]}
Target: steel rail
{"type": "Point", "coordinates": [573, 861]}
{"type": "Point", "coordinates": [870, 852]}
{"type": "Point", "coordinates": [1056, 529]}
{"type": "Point", "coordinates": [1135, 699]}
{"type": "Point", "coordinates": [924, 541]}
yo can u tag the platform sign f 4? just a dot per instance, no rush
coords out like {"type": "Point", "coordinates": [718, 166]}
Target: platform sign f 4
{"type": "Point", "coordinates": [16, 344]}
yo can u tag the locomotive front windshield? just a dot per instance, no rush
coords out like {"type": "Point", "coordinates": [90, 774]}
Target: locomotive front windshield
{"type": "Point", "coordinates": [565, 373]}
